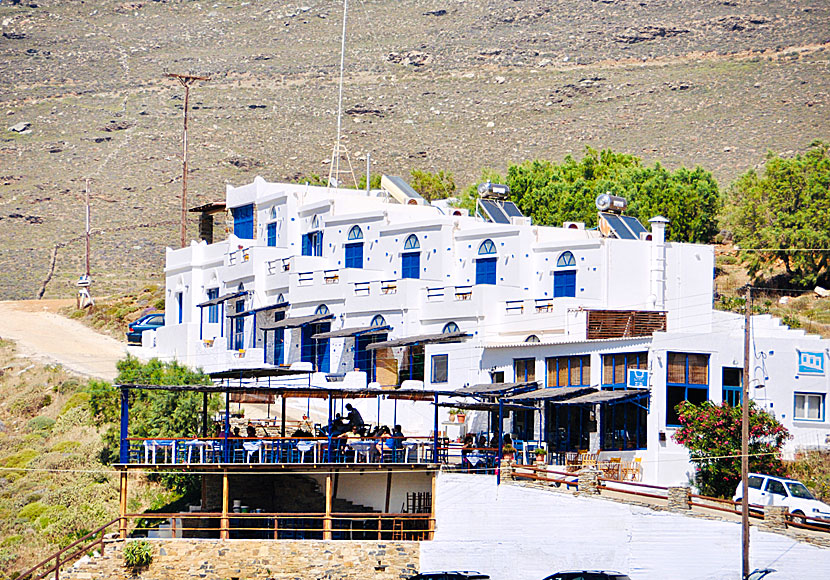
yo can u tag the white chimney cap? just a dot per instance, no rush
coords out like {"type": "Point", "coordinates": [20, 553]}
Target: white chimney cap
{"type": "Point", "coordinates": [658, 219]}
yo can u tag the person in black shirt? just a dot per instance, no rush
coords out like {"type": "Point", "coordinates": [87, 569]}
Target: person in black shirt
{"type": "Point", "coordinates": [354, 417]}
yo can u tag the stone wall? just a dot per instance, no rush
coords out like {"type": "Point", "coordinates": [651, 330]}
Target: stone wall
{"type": "Point", "coordinates": [259, 560]}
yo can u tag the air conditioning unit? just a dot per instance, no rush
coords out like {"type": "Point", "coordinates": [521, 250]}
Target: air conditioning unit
{"type": "Point", "coordinates": [520, 221]}
{"type": "Point", "coordinates": [574, 225]}
{"type": "Point", "coordinates": [645, 236]}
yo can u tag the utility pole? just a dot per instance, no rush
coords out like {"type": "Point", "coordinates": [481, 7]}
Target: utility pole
{"type": "Point", "coordinates": [86, 233]}
{"type": "Point", "coordinates": [186, 81]}
{"type": "Point", "coordinates": [745, 438]}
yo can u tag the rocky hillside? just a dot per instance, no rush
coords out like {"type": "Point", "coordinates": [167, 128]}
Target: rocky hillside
{"type": "Point", "coordinates": [431, 84]}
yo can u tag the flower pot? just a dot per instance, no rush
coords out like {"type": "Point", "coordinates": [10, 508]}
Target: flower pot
{"type": "Point", "coordinates": [461, 417]}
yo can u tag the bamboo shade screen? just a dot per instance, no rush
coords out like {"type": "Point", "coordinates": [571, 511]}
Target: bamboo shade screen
{"type": "Point", "coordinates": [615, 366]}
{"type": "Point", "coordinates": [698, 368]}
{"type": "Point", "coordinates": [579, 375]}
{"type": "Point", "coordinates": [522, 366]}
{"type": "Point", "coordinates": [387, 367]}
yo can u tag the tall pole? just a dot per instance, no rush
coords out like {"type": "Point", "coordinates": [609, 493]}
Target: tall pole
{"type": "Point", "coordinates": [745, 439]}
{"type": "Point", "coordinates": [186, 81]}
{"type": "Point", "coordinates": [86, 232]}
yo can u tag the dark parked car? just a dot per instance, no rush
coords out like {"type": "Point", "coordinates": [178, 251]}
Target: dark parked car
{"type": "Point", "coordinates": [146, 322]}
{"type": "Point", "coordinates": [454, 575]}
{"type": "Point", "coordinates": [588, 575]}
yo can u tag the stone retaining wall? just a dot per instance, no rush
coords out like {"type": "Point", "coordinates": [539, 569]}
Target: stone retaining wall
{"type": "Point", "coordinates": [259, 560]}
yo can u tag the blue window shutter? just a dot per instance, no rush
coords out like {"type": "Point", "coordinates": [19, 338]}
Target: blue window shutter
{"type": "Point", "coordinates": [243, 222]}
{"type": "Point", "coordinates": [564, 284]}
{"type": "Point", "coordinates": [318, 244]}
{"type": "Point", "coordinates": [411, 265]}
{"type": "Point", "coordinates": [272, 234]}
{"type": "Point", "coordinates": [213, 311]}
{"type": "Point", "coordinates": [354, 255]}
{"type": "Point", "coordinates": [486, 270]}
{"type": "Point", "coordinates": [306, 245]}
{"type": "Point", "coordinates": [306, 345]}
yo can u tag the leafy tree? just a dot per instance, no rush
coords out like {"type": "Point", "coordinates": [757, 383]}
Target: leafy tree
{"type": "Point", "coordinates": [152, 413]}
{"type": "Point", "coordinates": [554, 193]}
{"type": "Point", "coordinates": [785, 208]}
{"type": "Point", "coordinates": [712, 435]}
{"type": "Point", "coordinates": [433, 185]}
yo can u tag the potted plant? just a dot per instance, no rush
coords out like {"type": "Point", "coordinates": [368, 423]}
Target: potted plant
{"type": "Point", "coordinates": [138, 554]}
{"type": "Point", "coordinates": [457, 415]}
{"type": "Point", "coordinates": [541, 455]}
{"type": "Point", "coordinates": [508, 452]}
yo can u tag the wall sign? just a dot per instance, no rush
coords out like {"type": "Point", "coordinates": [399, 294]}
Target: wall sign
{"type": "Point", "coordinates": [637, 379]}
{"type": "Point", "coordinates": [810, 363]}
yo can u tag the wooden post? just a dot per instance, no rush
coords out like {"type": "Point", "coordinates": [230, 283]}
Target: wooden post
{"type": "Point", "coordinates": [225, 523]}
{"type": "Point", "coordinates": [122, 524]}
{"type": "Point", "coordinates": [327, 519]}
{"type": "Point", "coordinates": [432, 507]}
{"type": "Point", "coordinates": [388, 489]}
{"type": "Point", "coordinates": [745, 570]}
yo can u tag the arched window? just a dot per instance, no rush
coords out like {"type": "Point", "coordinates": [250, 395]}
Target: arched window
{"type": "Point", "coordinates": [273, 213]}
{"type": "Point", "coordinates": [486, 248]}
{"type": "Point", "coordinates": [322, 309]}
{"type": "Point", "coordinates": [412, 243]}
{"type": "Point", "coordinates": [486, 267]}
{"type": "Point", "coordinates": [532, 338]}
{"type": "Point", "coordinates": [564, 281]}
{"type": "Point", "coordinates": [450, 328]}
{"type": "Point", "coordinates": [565, 260]}
{"type": "Point", "coordinates": [354, 250]}
{"type": "Point", "coordinates": [378, 320]}
{"type": "Point", "coordinates": [411, 258]}
{"type": "Point", "coordinates": [315, 222]}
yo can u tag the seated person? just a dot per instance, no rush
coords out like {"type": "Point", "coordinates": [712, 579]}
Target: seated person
{"type": "Point", "coordinates": [384, 442]}
{"type": "Point", "coordinates": [338, 426]}
{"type": "Point", "coordinates": [250, 431]}
{"type": "Point", "coordinates": [482, 441]}
{"type": "Point", "coordinates": [398, 436]}
{"type": "Point", "coordinates": [467, 446]}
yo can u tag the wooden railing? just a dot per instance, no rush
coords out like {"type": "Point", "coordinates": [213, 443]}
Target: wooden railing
{"type": "Point", "coordinates": [74, 550]}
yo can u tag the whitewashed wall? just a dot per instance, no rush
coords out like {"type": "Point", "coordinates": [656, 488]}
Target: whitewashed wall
{"type": "Point", "coordinates": [516, 533]}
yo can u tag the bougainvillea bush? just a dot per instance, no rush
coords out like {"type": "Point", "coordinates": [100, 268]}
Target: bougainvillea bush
{"type": "Point", "coordinates": [712, 435]}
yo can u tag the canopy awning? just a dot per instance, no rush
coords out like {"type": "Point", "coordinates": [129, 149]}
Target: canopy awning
{"type": "Point", "coordinates": [421, 339]}
{"type": "Point", "coordinates": [481, 406]}
{"type": "Point", "coordinates": [281, 306]}
{"type": "Point", "coordinates": [604, 397]}
{"type": "Point", "coordinates": [296, 321]}
{"type": "Point", "coordinates": [551, 394]}
{"type": "Point", "coordinates": [221, 299]}
{"type": "Point", "coordinates": [356, 331]}
{"type": "Point", "coordinates": [494, 389]}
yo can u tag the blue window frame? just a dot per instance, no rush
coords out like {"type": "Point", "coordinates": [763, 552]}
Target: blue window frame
{"type": "Point", "coordinates": [378, 320]}
{"type": "Point", "coordinates": [568, 371]}
{"type": "Point", "coordinates": [313, 244]}
{"type": "Point", "coordinates": [243, 221]}
{"type": "Point", "coordinates": [486, 270]}
{"type": "Point", "coordinates": [354, 255]}
{"type": "Point", "coordinates": [615, 368]}
{"type": "Point", "coordinates": [316, 350]}
{"type": "Point", "coordinates": [213, 310]}
{"type": "Point", "coordinates": [279, 340]}
{"type": "Point", "coordinates": [732, 385]}
{"type": "Point", "coordinates": [624, 425]}
{"type": "Point", "coordinates": [272, 234]}
{"type": "Point", "coordinates": [440, 368]}
{"type": "Point", "coordinates": [411, 265]}
{"type": "Point", "coordinates": [449, 328]}
{"type": "Point", "coordinates": [412, 243]}
{"type": "Point", "coordinates": [180, 305]}
{"type": "Point", "coordinates": [564, 284]}
{"type": "Point", "coordinates": [565, 260]}
{"type": "Point", "coordinates": [687, 379]}
{"type": "Point", "coordinates": [524, 369]}
{"type": "Point", "coordinates": [238, 327]}
{"type": "Point", "coordinates": [355, 233]}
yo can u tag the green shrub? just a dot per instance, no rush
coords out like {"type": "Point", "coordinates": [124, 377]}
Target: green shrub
{"type": "Point", "coordinates": [65, 446]}
{"type": "Point", "coordinates": [40, 423]}
{"type": "Point", "coordinates": [32, 511]}
{"type": "Point", "coordinates": [67, 386]}
{"type": "Point", "coordinates": [76, 400]}
{"type": "Point", "coordinates": [137, 554]}
{"type": "Point", "coordinates": [159, 304]}
{"type": "Point", "coordinates": [20, 459]}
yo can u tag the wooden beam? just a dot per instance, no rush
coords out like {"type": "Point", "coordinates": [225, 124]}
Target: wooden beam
{"type": "Point", "coordinates": [327, 519]}
{"type": "Point", "coordinates": [122, 525]}
{"type": "Point", "coordinates": [388, 490]}
{"type": "Point", "coordinates": [224, 532]}
{"type": "Point", "coordinates": [432, 506]}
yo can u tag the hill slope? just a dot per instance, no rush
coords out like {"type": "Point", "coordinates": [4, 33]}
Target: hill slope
{"type": "Point", "coordinates": [430, 85]}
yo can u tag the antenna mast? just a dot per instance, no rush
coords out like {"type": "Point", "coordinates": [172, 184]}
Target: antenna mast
{"type": "Point", "coordinates": [340, 149]}
{"type": "Point", "coordinates": [186, 81]}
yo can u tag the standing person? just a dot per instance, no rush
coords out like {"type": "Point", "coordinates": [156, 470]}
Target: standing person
{"type": "Point", "coordinates": [354, 417]}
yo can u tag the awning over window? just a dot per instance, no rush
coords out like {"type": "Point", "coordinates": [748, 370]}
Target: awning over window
{"type": "Point", "coordinates": [282, 306]}
{"type": "Point", "coordinates": [421, 339]}
{"type": "Point", "coordinates": [494, 389]}
{"type": "Point", "coordinates": [356, 331]}
{"type": "Point", "coordinates": [296, 321]}
{"type": "Point", "coordinates": [604, 397]}
{"type": "Point", "coordinates": [552, 394]}
{"type": "Point", "coordinates": [221, 299]}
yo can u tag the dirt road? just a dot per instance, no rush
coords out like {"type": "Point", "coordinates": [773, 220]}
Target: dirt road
{"type": "Point", "coordinates": [47, 337]}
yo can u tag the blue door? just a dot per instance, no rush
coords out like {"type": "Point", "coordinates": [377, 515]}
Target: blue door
{"type": "Point", "coordinates": [364, 360]}
{"type": "Point", "coordinates": [486, 270]}
{"type": "Point", "coordinates": [411, 265]}
{"type": "Point", "coordinates": [243, 222]}
{"type": "Point", "coordinates": [272, 234]}
{"type": "Point", "coordinates": [564, 284]}
{"type": "Point", "coordinates": [313, 244]}
{"type": "Point", "coordinates": [354, 255]}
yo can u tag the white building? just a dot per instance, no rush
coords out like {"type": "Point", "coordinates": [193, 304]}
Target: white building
{"type": "Point", "coordinates": [382, 287]}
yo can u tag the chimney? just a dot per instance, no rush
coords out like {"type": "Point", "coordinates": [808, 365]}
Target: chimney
{"type": "Point", "coordinates": [657, 277]}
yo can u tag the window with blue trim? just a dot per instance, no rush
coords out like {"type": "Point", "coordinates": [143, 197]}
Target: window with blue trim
{"type": "Point", "coordinates": [449, 328]}
{"type": "Point", "coordinates": [615, 368]}
{"type": "Point", "coordinates": [440, 368]}
{"type": "Point", "coordinates": [568, 371]}
{"type": "Point", "coordinates": [412, 243]}
{"type": "Point", "coordinates": [565, 260]}
{"type": "Point", "coordinates": [316, 350]}
{"type": "Point", "coordinates": [687, 379]}
{"type": "Point", "coordinates": [354, 255]}
{"type": "Point", "coordinates": [732, 385]}
{"type": "Point", "coordinates": [411, 261]}
{"type": "Point", "coordinates": [278, 348]}
{"type": "Point", "coordinates": [180, 305]}
{"type": "Point", "coordinates": [378, 320]}
{"type": "Point", "coordinates": [809, 407]}
{"type": "Point", "coordinates": [486, 267]}
{"type": "Point", "coordinates": [238, 327]}
{"type": "Point", "coordinates": [213, 309]}
{"type": "Point", "coordinates": [243, 221]}
{"type": "Point", "coordinates": [313, 244]}
{"type": "Point", "coordinates": [624, 425]}
{"type": "Point", "coordinates": [272, 234]}
{"type": "Point", "coordinates": [524, 369]}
